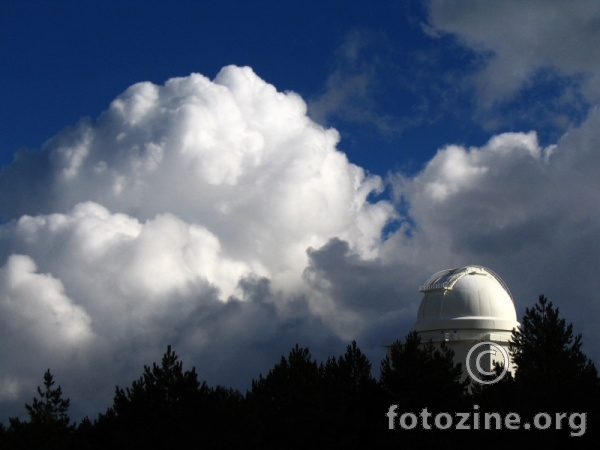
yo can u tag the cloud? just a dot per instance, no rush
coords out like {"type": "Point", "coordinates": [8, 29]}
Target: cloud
{"type": "Point", "coordinates": [233, 155]}
{"type": "Point", "coordinates": [37, 302]}
{"type": "Point", "coordinates": [526, 46]}
{"type": "Point", "coordinates": [39, 325]}
{"type": "Point", "coordinates": [351, 93]}
{"type": "Point", "coordinates": [528, 212]}
{"type": "Point", "coordinates": [217, 217]}
{"type": "Point", "coordinates": [182, 216]}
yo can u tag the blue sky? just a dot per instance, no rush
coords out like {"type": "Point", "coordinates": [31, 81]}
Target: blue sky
{"type": "Point", "coordinates": [233, 178]}
{"type": "Point", "coordinates": [401, 92]}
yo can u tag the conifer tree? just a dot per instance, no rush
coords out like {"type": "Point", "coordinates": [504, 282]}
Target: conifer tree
{"type": "Point", "coordinates": [417, 375]}
{"type": "Point", "coordinates": [352, 399]}
{"type": "Point", "coordinates": [159, 409]}
{"type": "Point", "coordinates": [350, 371]}
{"type": "Point", "coordinates": [50, 408]}
{"type": "Point", "coordinates": [48, 426]}
{"type": "Point", "coordinates": [168, 407]}
{"type": "Point", "coordinates": [288, 402]}
{"type": "Point", "coordinates": [551, 367]}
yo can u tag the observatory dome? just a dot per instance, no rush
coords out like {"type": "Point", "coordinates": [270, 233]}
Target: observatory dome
{"type": "Point", "coordinates": [470, 297]}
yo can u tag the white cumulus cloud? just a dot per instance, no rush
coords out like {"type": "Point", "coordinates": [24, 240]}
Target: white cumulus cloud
{"type": "Point", "coordinates": [183, 214]}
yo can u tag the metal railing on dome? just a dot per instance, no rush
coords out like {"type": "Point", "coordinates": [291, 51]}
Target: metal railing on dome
{"type": "Point", "coordinates": [434, 282]}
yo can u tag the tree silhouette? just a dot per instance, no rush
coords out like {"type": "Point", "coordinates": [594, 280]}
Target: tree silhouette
{"type": "Point", "coordinates": [48, 426]}
{"type": "Point", "coordinates": [352, 399]}
{"type": "Point", "coordinates": [158, 410]}
{"type": "Point", "coordinates": [288, 402]}
{"type": "Point", "coordinates": [417, 375]}
{"type": "Point", "coordinates": [553, 374]}
{"type": "Point", "coordinates": [350, 372]}
{"type": "Point", "coordinates": [168, 407]}
{"type": "Point", "coordinates": [551, 367]}
{"type": "Point", "coordinates": [50, 408]}
{"type": "Point", "coordinates": [163, 388]}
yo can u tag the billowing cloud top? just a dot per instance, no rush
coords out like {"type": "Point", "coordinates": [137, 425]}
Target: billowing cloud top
{"type": "Point", "coordinates": [179, 199]}
{"type": "Point", "coordinates": [234, 157]}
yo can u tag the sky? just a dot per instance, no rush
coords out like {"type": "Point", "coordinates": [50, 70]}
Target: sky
{"type": "Point", "coordinates": [232, 178]}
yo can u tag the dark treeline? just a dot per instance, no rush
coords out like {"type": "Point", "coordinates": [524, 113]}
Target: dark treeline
{"type": "Point", "coordinates": [301, 403]}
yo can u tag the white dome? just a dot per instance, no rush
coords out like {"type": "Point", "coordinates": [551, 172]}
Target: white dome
{"type": "Point", "coordinates": [469, 297]}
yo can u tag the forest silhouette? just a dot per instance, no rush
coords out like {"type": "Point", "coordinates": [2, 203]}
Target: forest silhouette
{"type": "Point", "coordinates": [337, 403]}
